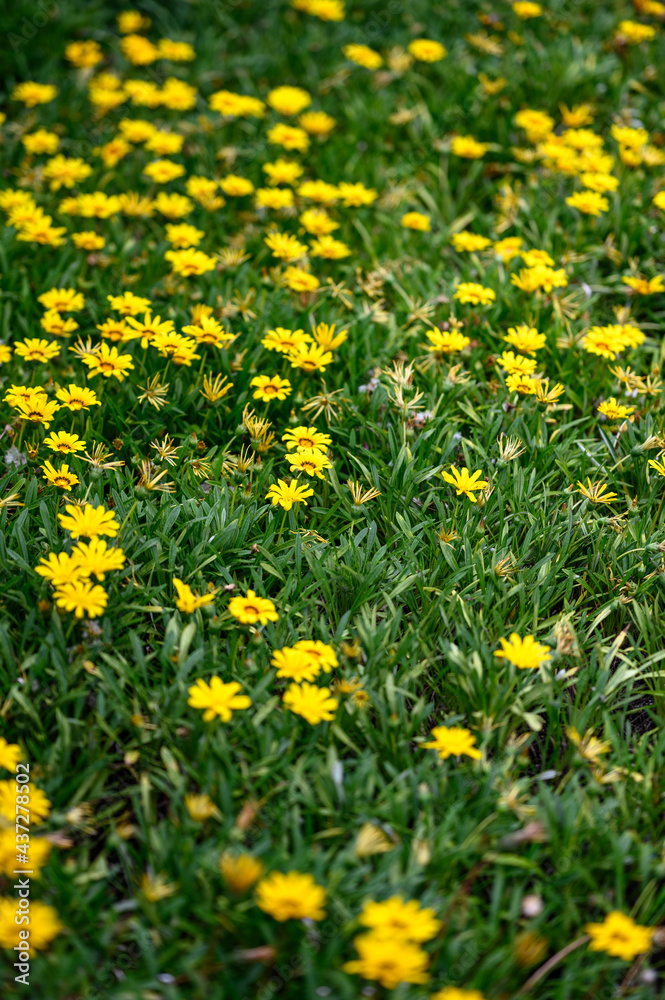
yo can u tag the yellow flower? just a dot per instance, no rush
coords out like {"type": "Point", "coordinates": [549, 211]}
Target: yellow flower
{"type": "Point", "coordinates": [310, 357]}
{"type": "Point", "coordinates": [240, 870]}
{"type": "Point", "coordinates": [270, 387]}
{"type": "Point", "coordinates": [60, 568]}
{"type": "Point", "coordinates": [588, 202]}
{"type": "Point", "coordinates": [466, 484]}
{"type": "Point", "coordinates": [251, 609]}
{"type": "Point", "coordinates": [34, 349]}
{"type": "Point", "coordinates": [285, 246]}
{"type": "Point", "coordinates": [88, 240]}
{"type": "Point", "coordinates": [155, 887]}
{"type": "Point", "coordinates": [469, 242]}
{"type": "Point", "coordinates": [52, 322]}
{"type": "Point", "coordinates": [416, 220]}
{"type": "Point", "coordinates": [163, 171]}
{"type": "Point", "coordinates": [520, 382]}
{"type": "Point", "coordinates": [44, 924]}
{"type": "Point", "coordinates": [283, 171]}
{"type": "Point", "coordinates": [323, 654]}
{"type": "Point", "coordinates": [658, 466]}
{"type": "Point", "coordinates": [471, 293]}
{"type": "Point", "coordinates": [313, 703]}
{"type": "Point", "coordinates": [644, 286]}
{"type": "Point", "coordinates": [363, 55]}
{"type": "Point", "coordinates": [183, 236]}
{"type": "Point", "coordinates": [467, 147]}
{"type": "Point", "coordinates": [490, 86]}
{"type": "Point", "coordinates": [236, 105]}
{"type": "Point", "coordinates": [515, 364]}
{"type": "Point", "coordinates": [190, 262]}
{"type": "Point", "coordinates": [89, 521]}
{"type": "Point", "coordinates": [446, 341]}
{"type": "Point", "coordinates": [454, 993]}
{"type": "Point", "coordinates": [76, 399]}
{"type": "Point", "coordinates": [525, 338]}
{"type": "Point", "coordinates": [311, 461]}
{"type": "Point", "coordinates": [84, 54]}
{"type": "Point", "coordinates": [41, 141]}
{"type": "Point", "coordinates": [355, 195]}
{"type": "Point", "coordinates": [525, 9]}
{"type": "Point", "coordinates": [38, 852]}
{"type": "Point", "coordinates": [107, 361]}
{"type": "Point", "coordinates": [540, 277]}
{"type": "Point", "coordinates": [614, 410]}
{"type": "Point", "coordinates": [291, 896]}
{"type": "Point", "coordinates": [96, 559]}
{"type": "Point", "coordinates": [82, 597]}
{"type": "Point", "coordinates": [620, 936]}
{"type": "Point", "coordinates": [61, 477]}
{"type": "Point", "coordinates": [236, 187]}
{"type": "Point", "coordinates": [305, 438]}
{"type": "Point", "coordinates": [453, 741]}
{"type": "Point", "coordinates": [63, 171]}
{"type": "Point", "coordinates": [384, 962]}
{"type": "Point", "coordinates": [215, 389]}
{"type": "Point", "coordinates": [329, 248]}
{"type": "Point", "coordinates": [286, 494]}
{"type": "Point", "coordinates": [200, 807]}
{"type": "Point", "coordinates": [274, 198]}
{"type": "Point", "coordinates": [537, 124]}
{"type": "Point", "coordinates": [217, 698]}
{"type": "Point", "coordinates": [325, 336]}
{"type": "Point", "coordinates": [175, 51]}
{"type": "Point", "coordinates": [296, 664]}
{"type": "Point", "coordinates": [39, 805]}
{"type": "Point", "coordinates": [131, 20]}
{"type": "Point", "coordinates": [139, 50]}
{"type": "Point", "coordinates": [10, 754]}
{"type": "Point", "coordinates": [31, 93]}
{"type": "Point", "coordinates": [128, 304]}
{"type": "Point", "coordinates": [400, 921]}
{"type": "Point", "coordinates": [288, 136]}
{"type": "Point", "coordinates": [172, 206]}
{"type": "Point", "coordinates": [635, 33]}
{"type": "Point", "coordinates": [326, 10]}
{"type": "Point", "coordinates": [596, 492]}
{"type": "Point", "coordinates": [426, 50]}
{"type": "Point", "coordinates": [590, 748]}
{"type": "Point", "coordinates": [524, 653]}
{"type": "Point", "coordinates": [38, 409]}
{"type": "Point", "coordinates": [300, 281]}
{"type": "Point", "coordinates": [320, 191]}
{"type": "Point", "coordinates": [317, 122]}
{"type": "Point", "coordinates": [288, 100]}
{"type": "Point", "coordinates": [187, 600]}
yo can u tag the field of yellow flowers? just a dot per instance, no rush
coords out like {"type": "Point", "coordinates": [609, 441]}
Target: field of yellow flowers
{"type": "Point", "coordinates": [332, 524]}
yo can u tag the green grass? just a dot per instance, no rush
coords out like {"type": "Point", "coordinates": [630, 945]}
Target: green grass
{"type": "Point", "coordinates": [100, 707]}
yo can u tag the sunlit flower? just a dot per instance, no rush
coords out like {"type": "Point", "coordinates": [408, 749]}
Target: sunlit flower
{"type": "Point", "coordinates": [465, 483]}
{"type": "Point", "coordinates": [252, 609]}
{"type": "Point", "coordinates": [620, 936]}
{"type": "Point", "coordinates": [217, 698]}
{"type": "Point", "coordinates": [314, 704]}
{"type": "Point", "coordinates": [597, 492]}
{"type": "Point", "coordinates": [427, 50]}
{"type": "Point", "coordinates": [525, 653]}
{"type": "Point", "coordinates": [291, 896]}
{"type": "Point", "coordinates": [416, 220]}
{"type": "Point", "coordinates": [286, 494]}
